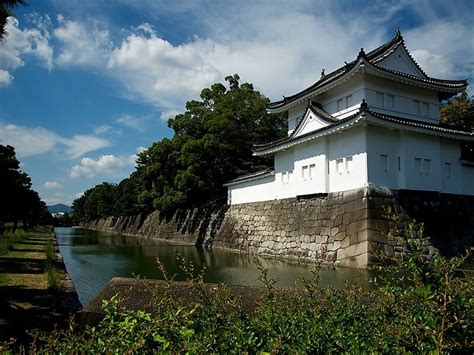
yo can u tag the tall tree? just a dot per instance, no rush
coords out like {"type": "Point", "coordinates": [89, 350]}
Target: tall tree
{"type": "Point", "coordinates": [18, 201]}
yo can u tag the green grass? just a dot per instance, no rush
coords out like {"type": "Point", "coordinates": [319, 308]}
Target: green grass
{"type": "Point", "coordinates": [9, 239]}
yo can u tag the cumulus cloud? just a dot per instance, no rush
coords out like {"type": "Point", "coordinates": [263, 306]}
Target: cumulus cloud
{"type": "Point", "coordinates": [29, 141]}
{"type": "Point", "coordinates": [105, 164]}
{"type": "Point", "coordinates": [51, 185]}
{"type": "Point", "coordinates": [5, 78]}
{"type": "Point", "coordinates": [80, 43]}
{"type": "Point", "coordinates": [22, 42]}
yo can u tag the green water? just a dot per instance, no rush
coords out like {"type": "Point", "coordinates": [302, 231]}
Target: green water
{"type": "Point", "coordinates": [92, 258]}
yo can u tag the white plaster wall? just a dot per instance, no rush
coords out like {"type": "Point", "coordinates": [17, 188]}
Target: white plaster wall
{"type": "Point", "coordinates": [403, 99]}
{"type": "Point", "coordinates": [458, 178]}
{"type": "Point", "coordinates": [353, 89]}
{"type": "Point", "coordinates": [352, 144]}
{"type": "Point", "coordinates": [383, 146]}
{"type": "Point", "coordinates": [263, 189]}
{"type": "Point", "coordinates": [307, 155]}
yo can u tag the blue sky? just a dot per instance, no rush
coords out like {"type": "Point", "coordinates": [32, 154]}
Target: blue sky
{"type": "Point", "coordinates": [85, 85]}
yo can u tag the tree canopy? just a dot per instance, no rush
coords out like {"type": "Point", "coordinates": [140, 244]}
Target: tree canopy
{"type": "Point", "coordinates": [6, 10]}
{"type": "Point", "coordinates": [458, 112]}
{"type": "Point", "coordinates": [19, 202]}
{"type": "Point", "coordinates": [212, 144]}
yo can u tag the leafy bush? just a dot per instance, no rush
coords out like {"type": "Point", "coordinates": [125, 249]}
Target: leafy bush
{"type": "Point", "coordinates": [420, 304]}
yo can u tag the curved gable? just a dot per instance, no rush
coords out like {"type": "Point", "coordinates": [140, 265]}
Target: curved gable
{"type": "Point", "coordinates": [310, 122]}
{"type": "Point", "coordinates": [401, 61]}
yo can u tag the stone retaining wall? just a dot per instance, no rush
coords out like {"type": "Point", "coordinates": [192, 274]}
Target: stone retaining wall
{"type": "Point", "coordinates": [345, 228]}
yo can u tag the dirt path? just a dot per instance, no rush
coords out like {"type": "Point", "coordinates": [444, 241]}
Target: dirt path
{"type": "Point", "coordinates": [26, 301]}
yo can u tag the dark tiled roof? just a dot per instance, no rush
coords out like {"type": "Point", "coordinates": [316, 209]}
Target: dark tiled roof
{"type": "Point", "coordinates": [373, 57]}
{"type": "Point", "coordinates": [291, 137]}
{"type": "Point", "coordinates": [420, 124]}
{"type": "Point", "coordinates": [364, 109]}
{"type": "Point", "coordinates": [257, 174]}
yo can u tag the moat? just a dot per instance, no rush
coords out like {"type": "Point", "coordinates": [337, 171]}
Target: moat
{"type": "Point", "coordinates": [92, 258]}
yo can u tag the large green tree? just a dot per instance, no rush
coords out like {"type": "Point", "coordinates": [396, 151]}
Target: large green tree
{"type": "Point", "coordinates": [212, 144]}
{"type": "Point", "coordinates": [18, 201]}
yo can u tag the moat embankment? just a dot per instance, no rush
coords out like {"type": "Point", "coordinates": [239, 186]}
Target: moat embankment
{"type": "Point", "coordinates": [345, 228]}
{"type": "Point", "coordinates": [28, 299]}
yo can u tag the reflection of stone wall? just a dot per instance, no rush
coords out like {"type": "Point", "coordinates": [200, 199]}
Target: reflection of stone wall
{"type": "Point", "coordinates": [344, 228]}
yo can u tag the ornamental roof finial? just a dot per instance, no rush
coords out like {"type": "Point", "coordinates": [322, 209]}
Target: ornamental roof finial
{"type": "Point", "coordinates": [322, 73]}
{"type": "Point", "coordinates": [361, 53]}
{"type": "Point", "coordinates": [363, 106]}
{"type": "Point", "coordinates": [398, 33]}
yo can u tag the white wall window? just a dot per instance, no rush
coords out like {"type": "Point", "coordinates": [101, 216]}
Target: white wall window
{"type": "Point", "coordinates": [283, 177]}
{"type": "Point", "coordinates": [399, 163]}
{"type": "Point", "coordinates": [390, 101]}
{"type": "Point", "coordinates": [340, 166]}
{"type": "Point", "coordinates": [426, 166]}
{"type": "Point", "coordinates": [305, 172]}
{"type": "Point", "coordinates": [340, 105]}
{"type": "Point", "coordinates": [416, 107]}
{"type": "Point", "coordinates": [447, 170]}
{"type": "Point", "coordinates": [424, 109]}
{"type": "Point", "coordinates": [349, 164]}
{"type": "Point", "coordinates": [348, 101]}
{"type": "Point", "coordinates": [379, 99]}
{"type": "Point", "coordinates": [418, 167]}
{"type": "Point", "coordinates": [384, 162]}
{"type": "Point", "coordinates": [312, 170]}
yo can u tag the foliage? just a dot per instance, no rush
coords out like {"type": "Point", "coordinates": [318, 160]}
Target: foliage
{"type": "Point", "coordinates": [212, 144]}
{"type": "Point", "coordinates": [458, 112]}
{"type": "Point", "coordinates": [420, 305]}
{"type": "Point", "coordinates": [9, 238]}
{"type": "Point", "coordinates": [19, 202]}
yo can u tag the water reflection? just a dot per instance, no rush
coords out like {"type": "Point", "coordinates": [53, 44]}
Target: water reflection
{"type": "Point", "coordinates": [92, 258]}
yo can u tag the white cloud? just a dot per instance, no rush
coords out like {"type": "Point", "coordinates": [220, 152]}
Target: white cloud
{"type": "Point", "coordinates": [79, 145]}
{"type": "Point", "coordinates": [18, 43]}
{"type": "Point", "coordinates": [136, 123]}
{"type": "Point", "coordinates": [5, 78]}
{"type": "Point", "coordinates": [102, 129]}
{"type": "Point", "coordinates": [29, 141]}
{"type": "Point", "coordinates": [105, 164]}
{"type": "Point", "coordinates": [50, 185]}
{"type": "Point", "coordinates": [80, 43]}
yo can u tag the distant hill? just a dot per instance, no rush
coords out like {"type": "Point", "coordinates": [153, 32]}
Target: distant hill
{"type": "Point", "coordinates": [59, 208]}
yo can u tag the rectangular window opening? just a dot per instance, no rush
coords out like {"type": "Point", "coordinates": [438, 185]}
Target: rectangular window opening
{"type": "Point", "coordinates": [340, 165]}
{"type": "Point", "coordinates": [390, 101]}
{"type": "Point", "coordinates": [418, 165]}
{"type": "Point", "coordinates": [399, 164]}
{"type": "Point", "coordinates": [349, 164]}
{"type": "Point", "coordinates": [380, 99]}
{"type": "Point", "coordinates": [340, 104]}
{"type": "Point", "coordinates": [312, 171]}
{"type": "Point", "coordinates": [416, 107]}
{"type": "Point", "coordinates": [427, 166]}
{"type": "Point", "coordinates": [304, 172]}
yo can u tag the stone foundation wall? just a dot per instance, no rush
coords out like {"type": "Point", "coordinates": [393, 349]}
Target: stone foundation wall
{"type": "Point", "coordinates": [345, 228]}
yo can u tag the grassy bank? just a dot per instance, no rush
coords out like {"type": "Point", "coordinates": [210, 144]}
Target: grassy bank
{"type": "Point", "coordinates": [31, 284]}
